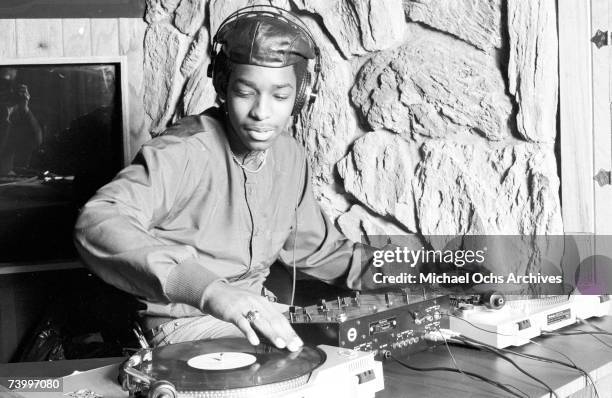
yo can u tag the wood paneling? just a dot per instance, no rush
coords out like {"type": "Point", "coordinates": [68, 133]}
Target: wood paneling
{"type": "Point", "coordinates": [602, 140]}
{"type": "Point", "coordinates": [576, 103]}
{"type": "Point", "coordinates": [104, 37]}
{"type": "Point", "coordinates": [131, 34]}
{"type": "Point", "coordinates": [8, 44]}
{"type": "Point", "coordinates": [76, 37]}
{"type": "Point", "coordinates": [39, 38]}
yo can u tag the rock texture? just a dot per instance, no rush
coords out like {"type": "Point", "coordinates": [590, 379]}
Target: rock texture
{"type": "Point", "coordinates": [327, 129]}
{"type": "Point", "coordinates": [158, 10]}
{"type": "Point", "coordinates": [451, 188]}
{"type": "Point", "coordinates": [359, 26]}
{"type": "Point", "coordinates": [379, 172]}
{"type": "Point", "coordinates": [199, 93]}
{"type": "Point", "coordinates": [434, 86]}
{"type": "Point", "coordinates": [419, 128]}
{"type": "Point", "coordinates": [189, 16]}
{"type": "Point", "coordinates": [165, 48]}
{"type": "Point", "coordinates": [477, 22]}
{"type": "Point", "coordinates": [532, 68]}
{"type": "Point", "coordinates": [359, 224]}
{"type": "Point", "coordinates": [471, 189]}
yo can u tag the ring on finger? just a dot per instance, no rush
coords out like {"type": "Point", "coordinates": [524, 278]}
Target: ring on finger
{"type": "Point", "coordinates": [252, 315]}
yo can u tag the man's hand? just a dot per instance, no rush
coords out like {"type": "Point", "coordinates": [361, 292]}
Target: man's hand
{"type": "Point", "coordinates": [232, 304]}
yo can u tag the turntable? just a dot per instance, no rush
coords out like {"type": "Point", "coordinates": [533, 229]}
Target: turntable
{"type": "Point", "coordinates": [234, 368]}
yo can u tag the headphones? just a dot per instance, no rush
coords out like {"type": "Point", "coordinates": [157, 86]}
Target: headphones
{"type": "Point", "coordinates": [307, 90]}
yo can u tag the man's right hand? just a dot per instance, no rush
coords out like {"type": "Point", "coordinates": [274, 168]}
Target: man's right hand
{"type": "Point", "coordinates": [232, 304]}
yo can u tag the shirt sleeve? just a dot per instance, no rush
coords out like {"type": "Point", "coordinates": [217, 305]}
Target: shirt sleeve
{"type": "Point", "coordinates": [320, 250]}
{"type": "Point", "coordinates": [113, 231]}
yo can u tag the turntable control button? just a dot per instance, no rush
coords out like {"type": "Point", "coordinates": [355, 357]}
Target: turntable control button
{"type": "Point", "coordinates": [366, 376]}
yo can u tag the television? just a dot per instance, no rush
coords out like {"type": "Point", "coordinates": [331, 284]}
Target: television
{"type": "Point", "coordinates": [63, 134]}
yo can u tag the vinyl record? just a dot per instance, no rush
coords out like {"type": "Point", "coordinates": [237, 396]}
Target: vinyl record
{"type": "Point", "coordinates": [192, 366]}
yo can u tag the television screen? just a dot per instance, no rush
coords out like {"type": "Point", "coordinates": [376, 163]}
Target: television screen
{"type": "Point", "coordinates": [61, 138]}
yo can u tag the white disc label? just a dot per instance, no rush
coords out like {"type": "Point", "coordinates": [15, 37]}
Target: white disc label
{"type": "Point", "coordinates": [222, 361]}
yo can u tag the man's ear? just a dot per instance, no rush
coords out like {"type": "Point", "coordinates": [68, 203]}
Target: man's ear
{"type": "Point", "coordinates": [290, 123]}
{"type": "Point", "coordinates": [221, 96]}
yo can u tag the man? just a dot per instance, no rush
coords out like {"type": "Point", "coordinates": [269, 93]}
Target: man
{"type": "Point", "coordinates": [193, 225]}
{"type": "Point", "coordinates": [20, 132]}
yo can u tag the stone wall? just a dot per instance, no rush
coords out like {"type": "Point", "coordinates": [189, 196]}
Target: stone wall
{"type": "Point", "coordinates": [434, 117]}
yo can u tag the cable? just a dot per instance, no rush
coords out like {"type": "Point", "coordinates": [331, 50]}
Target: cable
{"type": "Point", "coordinates": [545, 359]}
{"type": "Point", "coordinates": [461, 371]}
{"type": "Point", "coordinates": [586, 374]}
{"type": "Point", "coordinates": [495, 351]}
{"type": "Point", "coordinates": [535, 357]}
{"type": "Point", "coordinates": [477, 327]}
{"type": "Point", "coordinates": [445, 369]}
{"type": "Point", "coordinates": [579, 332]}
{"type": "Point", "coordinates": [551, 360]}
{"type": "Point", "coordinates": [591, 324]}
{"type": "Point", "coordinates": [295, 236]}
{"type": "Point", "coordinates": [583, 332]}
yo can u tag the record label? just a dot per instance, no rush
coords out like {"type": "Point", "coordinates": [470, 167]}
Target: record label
{"type": "Point", "coordinates": [222, 360]}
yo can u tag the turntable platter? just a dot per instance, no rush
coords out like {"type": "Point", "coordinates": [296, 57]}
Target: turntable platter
{"type": "Point", "coordinates": [241, 365]}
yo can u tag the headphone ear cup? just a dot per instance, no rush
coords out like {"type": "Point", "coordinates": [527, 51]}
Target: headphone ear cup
{"type": "Point", "coordinates": [219, 73]}
{"type": "Point", "coordinates": [302, 94]}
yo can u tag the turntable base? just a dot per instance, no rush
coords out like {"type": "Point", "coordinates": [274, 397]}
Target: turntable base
{"type": "Point", "coordinates": [233, 368]}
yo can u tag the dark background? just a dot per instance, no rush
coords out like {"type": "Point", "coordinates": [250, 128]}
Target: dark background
{"type": "Point", "coordinates": [72, 8]}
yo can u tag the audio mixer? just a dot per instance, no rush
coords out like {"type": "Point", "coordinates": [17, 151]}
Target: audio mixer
{"type": "Point", "coordinates": [391, 323]}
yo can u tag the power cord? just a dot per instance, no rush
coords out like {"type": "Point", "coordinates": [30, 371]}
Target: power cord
{"type": "Point", "coordinates": [485, 347]}
{"type": "Point", "coordinates": [446, 369]}
{"type": "Point", "coordinates": [539, 358]}
{"type": "Point", "coordinates": [451, 334]}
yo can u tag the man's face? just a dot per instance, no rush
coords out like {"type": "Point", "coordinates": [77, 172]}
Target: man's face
{"type": "Point", "coordinates": [259, 103]}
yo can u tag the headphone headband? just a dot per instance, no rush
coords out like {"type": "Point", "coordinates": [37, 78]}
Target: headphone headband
{"type": "Point", "coordinates": [270, 10]}
{"type": "Point", "coordinates": [290, 19]}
